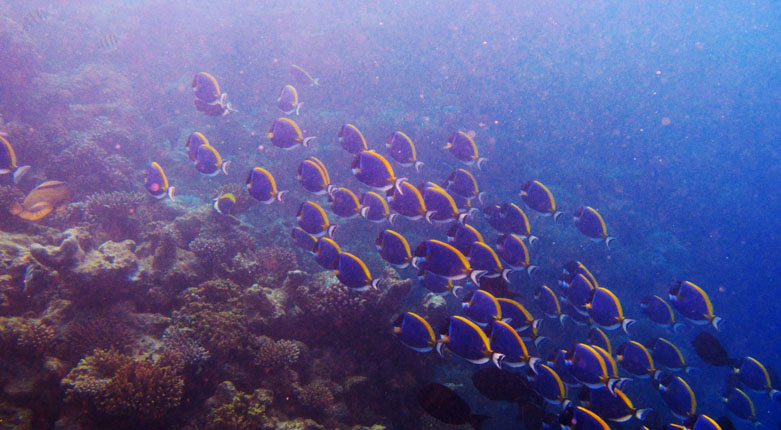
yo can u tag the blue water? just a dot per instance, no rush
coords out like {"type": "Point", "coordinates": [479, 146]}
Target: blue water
{"type": "Point", "coordinates": [665, 116]}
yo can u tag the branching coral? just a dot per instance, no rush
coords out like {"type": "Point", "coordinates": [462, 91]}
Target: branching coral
{"type": "Point", "coordinates": [90, 377]}
{"type": "Point", "coordinates": [141, 389]}
{"type": "Point", "coordinates": [317, 395]}
{"type": "Point", "coordinates": [112, 206]}
{"type": "Point", "coordinates": [33, 338]}
{"type": "Point", "coordinates": [274, 354]}
{"type": "Point", "coordinates": [209, 248]}
{"type": "Point", "coordinates": [182, 351]}
{"type": "Point", "coordinates": [235, 410]}
{"type": "Point", "coordinates": [101, 332]}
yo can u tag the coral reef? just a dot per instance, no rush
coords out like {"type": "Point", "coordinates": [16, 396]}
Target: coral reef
{"type": "Point", "coordinates": [182, 351]}
{"type": "Point", "coordinates": [231, 409]}
{"type": "Point", "coordinates": [142, 390]}
{"type": "Point", "coordinates": [272, 354]}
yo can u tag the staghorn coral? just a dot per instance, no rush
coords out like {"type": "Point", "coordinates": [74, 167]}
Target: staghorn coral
{"type": "Point", "coordinates": [142, 390]}
{"type": "Point", "coordinates": [90, 377]}
{"type": "Point", "coordinates": [222, 333]}
{"type": "Point", "coordinates": [273, 354]}
{"type": "Point", "coordinates": [182, 351]}
{"type": "Point", "coordinates": [32, 338]}
{"type": "Point", "coordinates": [232, 409]}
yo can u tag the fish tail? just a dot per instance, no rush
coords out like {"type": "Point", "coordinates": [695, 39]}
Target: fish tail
{"type": "Point", "coordinates": [480, 196]}
{"type": "Point", "coordinates": [397, 185]}
{"type": "Point", "coordinates": [556, 216]}
{"type": "Point", "coordinates": [224, 167]}
{"type": "Point", "coordinates": [506, 274]}
{"type": "Point", "coordinates": [298, 107]}
{"type": "Point", "coordinates": [625, 325]}
{"type": "Point", "coordinates": [428, 216]}
{"type": "Point", "coordinates": [171, 193]}
{"type": "Point", "coordinates": [530, 270]}
{"type": "Point", "coordinates": [608, 240]}
{"type": "Point", "coordinates": [497, 358]}
{"type": "Point", "coordinates": [439, 346]}
{"type": "Point", "coordinates": [19, 172]}
{"type": "Point", "coordinates": [476, 275]}
{"type": "Point", "coordinates": [677, 327]}
{"type": "Point", "coordinates": [481, 162]}
{"type": "Point", "coordinates": [418, 166]}
{"type": "Point", "coordinates": [540, 340]}
{"type": "Point", "coordinates": [456, 290]}
{"type": "Point", "coordinates": [315, 82]}
{"type": "Point", "coordinates": [462, 218]}
{"type": "Point", "coordinates": [533, 240]}
{"type": "Point", "coordinates": [392, 218]}
{"type": "Point", "coordinates": [447, 146]}
{"type": "Point", "coordinates": [330, 233]}
{"type": "Point", "coordinates": [375, 282]}
{"type": "Point", "coordinates": [691, 371]}
{"type": "Point", "coordinates": [307, 142]}
{"type": "Point", "coordinates": [640, 414]}
{"type": "Point", "coordinates": [717, 322]}
{"type": "Point", "coordinates": [280, 195]}
{"type": "Point", "coordinates": [562, 318]}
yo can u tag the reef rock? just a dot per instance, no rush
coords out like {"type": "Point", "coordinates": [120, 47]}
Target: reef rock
{"type": "Point", "coordinates": [112, 263]}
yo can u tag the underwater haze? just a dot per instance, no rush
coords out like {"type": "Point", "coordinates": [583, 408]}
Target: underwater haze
{"type": "Point", "coordinates": [390, 215]}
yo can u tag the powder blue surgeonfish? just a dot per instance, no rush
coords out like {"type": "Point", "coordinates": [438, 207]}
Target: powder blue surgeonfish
{"type": "Point", "coordinates": [590, 223]}
{"type": "Point", "coordinates": [284, 133]}
{"type": "Point", "coordinates": [313, 219]}
{"type": "Point", "coordinates": [408, 202]}
{"type": "Point", "coordinates": [303, 240]}
{"type": "Point", "coordinates": [588, 366]}
{"type": "Point", "coordinates": [352, 139]}
{"type": "Point", "coordinates": [303, 77]}
{"type": "Point", "coordinates": [515, 314]}
{"type": "Point", "coordinates": [401, 149]}
{"type": "Point", "coordinates": [414, 332]}
{"type": "Point", "coordinates": [209, 162]}
{"type": "Point", "coordinates": [580, 418]}
{"type": "Point", "coordinates": [287, 101]}
{"type": "Point", "coordinates": [539, 198]}
{"type": "Point", "coordinates": [597, 337]}
{"type": "Point", "coordinates": [441, 203]}
{"type": "Point", "coordinates": [462, 236]}
{"type": "Point", "coordinates": [549, 303]}
{"type": "Point", "coordinates": [444, 260]}
{"type": "Point", "coordinates": [313, 176]}
{"type": "Point", "coordinates": [466, 340]}
{"type": "Point", "coordinates": [482, 257]}
{"type": "Point", "coordinates": [353, 273]}
{"type": "Point", "coordinates": [156, 182]}
{"type": "Point", "coordinates": [754, 376]}
{"type": "Point", "coordinates": [194, 141]}
{"type": "Point", "coordinates": [605, 311]}
{"type": "Point", "coordinates": [514, 252]}
{"type": "Point", "coordinates": [208, 97]}
{"type": "Point", "coordinates": [393, 248]}
{"type": "Point", "coordinates": [344, 203]}
{"type": "Point", "coordinates": [438, 284]}
{"type": "Point", "coordinates": [548, 384]}
{"type": "Point", "coordinates": [635, 358]}
{"type": "Point", "coordinates": [375, 208]}
{"type": "Point", "coordinates": [693, 303]}
{"type": "Point", "coordinates": [660, 312]}
{"type": "Point", "coordinates": [327, 253]}
{"type": "Point", "coordinates": [667, 355]}
{"type": "Point", "coordinates": [8, 161]}
{"type": "Point", "coordinates": [224, 204]}
{"type": "Point", "coordinates": [740, 404]}
{"type": "Point", "coordinates": [462, 183]}
{"type": "Point", "coordinates": [677, 394]}
{"type": "Point", "coordinates": [615, 406]}
{"type": "Point", "coordinates": [505, 340]}
{"type": "Point", "coordinates": [373, 170]}
{"type": "Point", "coordinates": [481, 307]}
{"type": "Point", "coordinates": [463, 147]}
{"type": "Point", "coordinates": [262, 186]}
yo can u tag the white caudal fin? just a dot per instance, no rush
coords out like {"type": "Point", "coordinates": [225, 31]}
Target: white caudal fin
{"type": "Point", "coordinates": [224, 167]}
{"type": "Point", "coordinates": [171, 193]}
{"type": "Point", "coordinates": [625, 324]}
{"type": "Point", "coordinates": [481, 162]}
{"type": "Point", "coordinates": [19, 172]}
{"type": "Point", "coordinates": [298, 107]}
{"type": "Point", "coordinates": [280, 195]}
{"type": "Point", "coordinates": [308, 141]}
{"type": "Point", "coordinates": [418, 166]}
{"type": "Point", "coordinates": [608, 241]}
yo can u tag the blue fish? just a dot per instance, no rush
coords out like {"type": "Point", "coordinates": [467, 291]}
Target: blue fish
{"type": "Point", "coordinates": [313, 176]}
{"type": "Point", "coordinates": [578, 292]}
{"type": "Point", "coordinates": [539, 198]}
{"type": "Point", "coordinates": [352, 139]}
{"type": "Point", "coordinates": [438, 284]}
{"type": "Point", "coordinates": [548, 384]}
{"type": "Point", "coordinates": [614, 406]}
{"type": "Point", "coordinates": [505, 340]}
{"type": "Point", "coordinates": [462, 236]}
{"type": "Point", "coordinates": [8, 162]}
{"type": "Point", "coordinates": [401, 149]}
{"type": "Point", "coordinates": [463, 147]}
{"type": "Point", "coordinates": [284, 133]}
{"type": "Point", "coordinates": [262, 186]}
{"type": "Point", "coordinates": [208, 97]}
{"type": "Point", "coordinates": [287, 101]}
{"type": "Point", "coordinates": [444, 260]}
{"type": "Point", "coordinates": [375, 208]}
{"type": "Point", "coordinates": [514, 252]}
{"type": "Point", "coordinates": [156, 182]}
{"type": "Point", "coordinates": [353, 273]}
{"type": "Point", "coordinates": [303, 239]}
{"type": "Point", "coordinates": [393, 248]}
{"type": "Point", "coordinates": [605, 311]}
{"type": "Point", "coordinates": [414, 332]}
{"type": "Point", "coordinates": [481, 307]}
{"type": "Point", "coordinates": [509, 218]}
{"type": "Point", "coordinates": [703, 422]}
{"type": "Point", "coordinates": [659, 312]}
{"type": "Point", "coordinates": [482, 257]}
{"type": "Point", "coordinates": [464, 184]}
{"type": "Point", "coordinates": [559, 364]}
{"type": "Point", "coordinates": [741, 405]}
{"type": "Point", "coordinates": [635, 359]}
{"type": "Point", "coordinates": [588, 366]}
{"type": "Point", "coordinates": [408, 202]}
{"type": "Point", "coordinates": [344, 203]}
{"type": "Point", "coordinates": [313, 219]}
{"type": "Point", "coordinates": [754, 376]}
{"type": "Point", "coordinates": [224, 204]}
{"type": "Point", "coordinates": [517, 315]}
{"type": "Point", "coordinates": [598, 338]}
{"type": "Point", "coordinates": [580, 418]}
{"type": "Point", "coordinates": [194, 141]}
{"type": "Point", "coordinates": [677, 394]}
{"type": "Point", "coordinates": [441, 203]}
{"type": "Point", "coordinates": [549, 303]}
{"type": "Point", "coordinates": [303, 77]}
{"type": "Point", "coordinates": [573, 269]}
{"type": "Point", "coordinates": [589, 222]}
{"type": "Point", "coordinates": [373, 170]}
{"type": "Point", "coordinates": [466, 340]}
{"type": "Point", "coordinates": [693, 303]}
{"type": "Point", "coordinates": [667, 355]}
{"type": "Point", "coordinates": [209, 162]}
{"type": "Point", "coordinates": [327, 253]}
